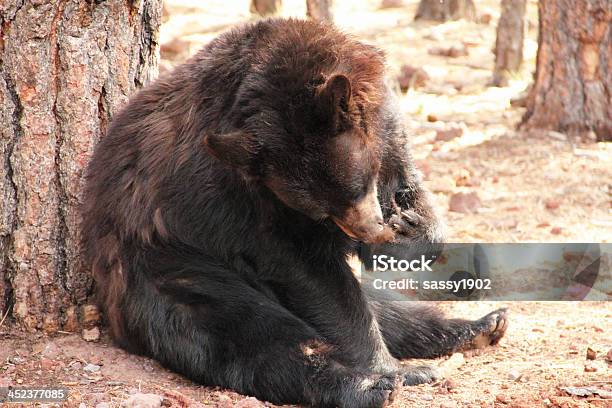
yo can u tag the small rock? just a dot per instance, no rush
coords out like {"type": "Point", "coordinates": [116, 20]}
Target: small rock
{"type": "Point", "coordinates": [103, 405]}
{"type": "Point", "coordinates": [514, 375]}
{"type": "Point", "coordinates": [454, 51]}
{"type": "Point", "coordinates": [412, 77]}
{"type": "Point", "coordinates": [391, 4]}
{"type": "Point", "coordinates": [91, 368]}
{"type": "Point", "coordinates": [91, 315]}
{"type": "Point", "coordinates": [47, 364]}
{"type": "Point", "coordinates": [448, 134]}
{"type": "Point", "coordinates": [91, 334]}
{"type": "Point", "coordinates": [465, 203]}
{"type": "Point", "coordinates": [427, 397]}
{"type": "Point", "coordinates": [503, 398]}
{"type": "Point", "coordinates": [609, 355]}
{"type": "Point", "coordinates": [591, 354]}
{"type": "Point", "coordinates": [587, 392]}
{"type": "Point", "coordinates": [16, 360]}
{"type": "Point", "coordinates": [448, 404]}
{"type": "Point", "coordinates": [485, 18]}
{"type": "Point", "coordinates": [464, 179]}
{"type": "Point", "coordinates": [590, 368]}
{"type": "Point", "coordinates": [143, 401]}
{"type": "Point", "coordinates": [432, 118]}
{"type": "Point", "coordinates": [552, 204]}
{"type": "Point", "coordinates": [82, 405]}
{"type": "Point", "coordinates": [556, 230]}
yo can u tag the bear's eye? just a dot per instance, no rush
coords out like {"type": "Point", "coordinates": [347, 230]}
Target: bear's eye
{"type": "Point", "coordinates": [358, 192]}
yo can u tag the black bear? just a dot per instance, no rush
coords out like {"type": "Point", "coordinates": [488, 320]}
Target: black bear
{"type": "Point", "coordinates": [222, 205]}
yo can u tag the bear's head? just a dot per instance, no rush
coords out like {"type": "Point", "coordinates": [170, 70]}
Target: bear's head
{"type": "Point", "coordinates": [319, 154]}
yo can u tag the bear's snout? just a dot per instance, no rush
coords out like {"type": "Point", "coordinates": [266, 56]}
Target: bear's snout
{"type": "Point", "coordinates": [364, 222]}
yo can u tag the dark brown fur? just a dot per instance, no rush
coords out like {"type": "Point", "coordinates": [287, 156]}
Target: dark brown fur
{"type": "Point", "coordinates": [217, 210]}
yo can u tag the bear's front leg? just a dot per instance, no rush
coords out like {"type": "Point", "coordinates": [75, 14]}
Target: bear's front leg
{"type": "Point", "coordinates": [410, 213]}
{"type": "Point", "coordinates": [325, 293]}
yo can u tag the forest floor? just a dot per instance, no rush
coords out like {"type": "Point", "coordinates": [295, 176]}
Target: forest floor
{"type": "Point", "coordinates": [543, 351]}
{"type": "Point", "coordinates": [505, 185]}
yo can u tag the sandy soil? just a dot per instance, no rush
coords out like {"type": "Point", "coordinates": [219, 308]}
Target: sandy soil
{"type": "Point", "coordinates": [544, 349]}
{"type": "Point", "coordinates": [537, 187]}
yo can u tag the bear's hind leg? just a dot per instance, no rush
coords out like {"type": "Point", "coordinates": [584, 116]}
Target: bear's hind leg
{"type": "Point", "coordinates": [210, 325]}
{"type": "Point", "coordinates": [418, 331]}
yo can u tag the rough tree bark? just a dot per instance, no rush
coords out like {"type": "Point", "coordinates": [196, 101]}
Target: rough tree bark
{"type": "Point", "coordinates": [266, 7]}
{"type": "Point", "coordinates": [444, 10]}
{"type": "Point", "coordinates": [320, 9]}
{"type": "Point", "coordinates": [572, 90]}
{"type": "Point", "coordinates": [65, 66]}
{"type": "Point", "coordinates": [509, 42]}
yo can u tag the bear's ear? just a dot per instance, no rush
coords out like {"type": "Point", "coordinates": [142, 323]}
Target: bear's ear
{"type": "Point", "coordinates": [336, 93]}
{"type": "Point", "coordinates": [236, 148]}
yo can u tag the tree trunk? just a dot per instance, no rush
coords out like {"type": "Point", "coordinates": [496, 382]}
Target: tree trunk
{"type": "Point", "coordinates": [266, 7]}
{"type": "Point", "coordinates": [509, 42]}
{"type": "Point", "coordinates": [320, 9]}
{"type": "Point", "coordinates": [65, 67]}
{"type": "Point", "coordinates": [573, 81]}
{"type": "Point", "coordinates": [444, 10]}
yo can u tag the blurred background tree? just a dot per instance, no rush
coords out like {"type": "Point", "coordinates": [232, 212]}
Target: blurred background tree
{"type": "Point", "coordinates": [266, 7]}
{"type": "Point", "coordinates": [320, 9]}
{"type": "Point", "coordinates": [509, 41]}
{"type": "Point", "coordinates": [572, 92]}
{"type": "Point", "coordinates": [443, 10]}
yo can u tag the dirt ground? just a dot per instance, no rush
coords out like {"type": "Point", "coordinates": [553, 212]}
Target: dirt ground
{"type": "Point", "coordinates": [522, 187]}
{"type": "Point", "coordinates": [544, 349]}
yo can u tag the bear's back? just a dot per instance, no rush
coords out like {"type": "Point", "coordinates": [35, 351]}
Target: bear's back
{"type": "Point", "coordinates": [154, 145]}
